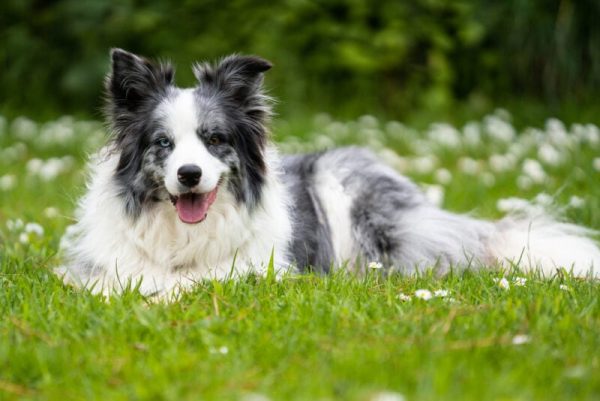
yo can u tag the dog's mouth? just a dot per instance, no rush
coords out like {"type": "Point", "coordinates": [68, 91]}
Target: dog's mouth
{"type": "Point", "coordinates": [191, 207]}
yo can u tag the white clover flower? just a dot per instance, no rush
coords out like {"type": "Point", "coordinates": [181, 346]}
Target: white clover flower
{"type": "Point", "coordinates": [521, 339]}
{"type": "Point", "coordinates": [502, 163]}
{"type": "Point", "coordinates": [543, 199]}
{"type": "Point", "coordinates": [50, 171]}
{"type": "Point", "coordinates": [576, 372]}
{"type": "Point", "coordinates": [549, 155]}
{"type": "Point", "coordinates": [424, 164]}
{"type": "Point", "coordinates": [391, 158]}
{"type": "Point", "coordinates": [441, 293]}
{"type": "Point", "coordinates": [422, 147]}
{"type": "Point", "coordinates": [596, 164]}
{"type": "Point", "coordinates": [592, 134]}
{"type": "Point", "coordinates": [445, 135]}
{"type": "Point", "coordinates": [374, 144]}
{"type": "Point", "coordinates": [524, 182]}
{"type": "Point", "coordinates": [373, 133]}
{"type": "Point", "coordinates": [368, 121]}
{"type": "Point", "coordinates": [557, 132]}
{"type": "Point", "coordinates": [34, 228]}
{"type": "Point", "coordinates": [375, 265]}
{"type": "Point", "coordinates": [443, 176]}
{"type": "Point", "coordinates": [223, 350]}
{"type": "Point", "coordinates": [56, 132]}
{"type": "Point", "coordinates": [24, 128]}
{"type": "Point", "coordinates": [337, 130]}
{"type": "Point", "coordinates": [423, 294]}
{"type": "Point", "coordinates": [472, 134]}
{"type": "Point", "coordinates": [255, 397]}
{"type": "Point", "coordinates": [395, 129]}
{"type": "Point", "coordinates": [498, 129]}
{"type": "Point", "coordinates": [435, 194]}
{"type": "Point", "coordinates": [578, 131]}
{"type": "Point", "coordinates": [51, 212]}
{"type": "Point", "coordinates": [387, 396]}
{"type": "Point", "coordinates": [54, 166]}
{"type": "Point", "coordinates": [24, 238]}
{"type": "Point", "coordinates": [13, 153]}
{"type": "Point", "coordinates": [469, 166]}
{"type": "Point", "coordinates": [518, 150]}
{"type": "Point", "coordinates": [15, 225]}
{"type": "Point", "coordinates": [324, 142]}
{"type": "Point", "coordinates": [512, 204]}
{"type": "Point", "coordinates": [503, 114]}
{"type": "Point", "coordinates": [502, 283]}
{"type": "Point", "coordinates": [534, 170]}
{"type": "Point", "coordinates": [34, 165]}
{"type": "Point", "coordinates": [404, 298]}
{"type": "Point", "coordinates": [520, 281]}
{"type": "Point", "coordinates": [576, 202]}
{"type": "Point", "coordinates": [7, 182]}
{"type": "Point", "coordinates": [564, 287]}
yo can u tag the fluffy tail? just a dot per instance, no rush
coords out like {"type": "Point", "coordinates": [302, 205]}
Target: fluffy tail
{"type": "Point", "coordinates": [538, 241]}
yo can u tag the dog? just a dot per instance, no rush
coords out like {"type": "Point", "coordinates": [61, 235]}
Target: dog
{"type": "Point", "coordinates": [190, 187]}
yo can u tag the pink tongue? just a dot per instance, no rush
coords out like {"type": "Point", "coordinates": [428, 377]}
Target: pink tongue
{"type": "Point", "coordinates": [192, 208]}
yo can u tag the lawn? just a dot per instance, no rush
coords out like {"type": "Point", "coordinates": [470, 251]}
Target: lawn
{"type": "Point", "coordinates": [487, 335]}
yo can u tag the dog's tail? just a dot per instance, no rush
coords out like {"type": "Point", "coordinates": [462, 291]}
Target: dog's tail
{"type": "Point", "coordinates": [535, 240]}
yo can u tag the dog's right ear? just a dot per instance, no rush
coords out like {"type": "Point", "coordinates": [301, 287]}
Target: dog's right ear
{"type": "Point", "coordinates": [134, 81]}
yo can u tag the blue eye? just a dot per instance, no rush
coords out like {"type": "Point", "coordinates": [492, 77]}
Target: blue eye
{"type": "Point", "coordinates": [164, 142]}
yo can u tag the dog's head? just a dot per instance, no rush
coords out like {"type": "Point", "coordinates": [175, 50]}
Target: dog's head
{"type": "Point", "coordinates": [185, 145]}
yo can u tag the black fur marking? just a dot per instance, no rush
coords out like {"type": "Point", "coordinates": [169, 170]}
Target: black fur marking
{"type": "Point", "coordinates": [235, 85]}
{"type": "Point", "coordinates": [140, 171]}
{"type": "Point", "coordinates": [135, 82]}
{"type": "Point", "coordinates": [311, 246]}
{"type": "Point", "coordinates": [134, 88]}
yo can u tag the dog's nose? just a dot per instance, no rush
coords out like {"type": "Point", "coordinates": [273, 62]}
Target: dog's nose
{"type": "Point", "coordinates": [189, 175]}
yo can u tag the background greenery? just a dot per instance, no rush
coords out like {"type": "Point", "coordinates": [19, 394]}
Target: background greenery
{"type": "Point", "coordinates": [387, 57]}
{"type": "Point", "coordinates": [338, 337]}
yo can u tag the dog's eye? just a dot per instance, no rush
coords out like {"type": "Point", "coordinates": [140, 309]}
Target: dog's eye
{"type": "Point", "coordinates": [164, 142]}
{"type": "Point", "coordinates": [214, 140]}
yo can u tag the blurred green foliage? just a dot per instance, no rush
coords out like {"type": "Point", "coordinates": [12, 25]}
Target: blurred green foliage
{"type": "Point", "coordinates": [384, 56]}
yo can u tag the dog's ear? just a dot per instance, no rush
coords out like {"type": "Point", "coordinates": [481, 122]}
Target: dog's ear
{"type": "Point", "coordinates": [239, 78]}
{"type": "Point", "coordinates": [134, 80]}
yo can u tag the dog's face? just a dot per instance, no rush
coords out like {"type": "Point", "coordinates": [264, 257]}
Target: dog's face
{"type": "Point", "coordinates": [186, 145]}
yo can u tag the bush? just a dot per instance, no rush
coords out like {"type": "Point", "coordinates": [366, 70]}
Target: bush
{"type": "Point", "coordinates": [386, 56]}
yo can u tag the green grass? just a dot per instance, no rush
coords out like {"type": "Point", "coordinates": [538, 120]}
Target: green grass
{"type": "Point", "coordinates": [303, 337]}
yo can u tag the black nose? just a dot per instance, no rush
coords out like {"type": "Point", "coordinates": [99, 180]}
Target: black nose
{"type": "Point", "coordinates": [189, 175]}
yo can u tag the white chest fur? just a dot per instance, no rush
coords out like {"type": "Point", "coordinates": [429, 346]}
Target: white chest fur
{"type": "Point", "coordinates": [109, 248]}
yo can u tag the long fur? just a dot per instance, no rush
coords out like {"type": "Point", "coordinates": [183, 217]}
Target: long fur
{"type": "Point", "coordinates": [311, 212]}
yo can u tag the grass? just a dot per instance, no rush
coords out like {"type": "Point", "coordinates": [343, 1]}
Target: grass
{"type": "Point", "coordinates": [303, 337]}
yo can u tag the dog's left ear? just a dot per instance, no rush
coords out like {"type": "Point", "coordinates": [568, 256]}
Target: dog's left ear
{"type": "Point", "coordinates": [238, 78]}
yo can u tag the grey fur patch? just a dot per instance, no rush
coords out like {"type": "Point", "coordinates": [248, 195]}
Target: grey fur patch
{"type": "Point", "coordinates": [379, 196]}
{"type": "Point", "coordinates": [391, 220]}
{"type": "Point", "coordinates": [311, 244]}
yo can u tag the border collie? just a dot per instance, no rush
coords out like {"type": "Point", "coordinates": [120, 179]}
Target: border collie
{"type": "Point", "coordinates": [190, 187]}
